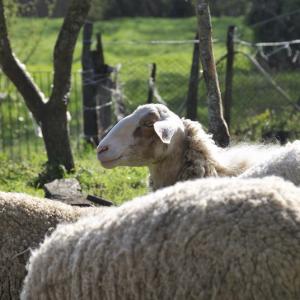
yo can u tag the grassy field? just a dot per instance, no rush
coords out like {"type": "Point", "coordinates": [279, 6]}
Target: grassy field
{"type": "Point", "coordinates": [118, 184]}
{"type": "Point", "coordinates": [116, 34]}
{"type": "Point", "coordinates": [126, 42]}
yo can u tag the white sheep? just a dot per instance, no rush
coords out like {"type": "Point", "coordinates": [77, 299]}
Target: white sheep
{"type": "Point", "coordinates": [174, 149]}
{"type": "Point", "coordinates": [285, 163]}
{"type": "Point", "coordinates": [24, 221]}
{"type": "Point", "coordinates": [215, 238]}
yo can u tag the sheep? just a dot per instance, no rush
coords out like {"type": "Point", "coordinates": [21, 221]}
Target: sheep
{"type": "Point", "coordinates": [212, 238]}
{"type": "Point", "coordinates": [24, 221]}
{"type": "Point", "coordinates": [174, 149]}
{"type": "Point", "coordinates": [285, 164]}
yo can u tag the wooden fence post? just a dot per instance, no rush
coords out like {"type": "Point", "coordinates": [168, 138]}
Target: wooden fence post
{"type": "Point", "coordinates": [192, 97]}
{"type": "Point", "coordinates": [151, 83]}
{"type": "Point", "coordinates": [88, 90]}
{"type": "Point", "coordinates": [118, 99]}
{"type": "Point", "coordinates": [229, 74]}
{"type": "Point", "coordinates": [97, 86]}
{"type": "Point", "coordinates": [216, 123]}
{"type": "Point", "coordinates": [104, 88]}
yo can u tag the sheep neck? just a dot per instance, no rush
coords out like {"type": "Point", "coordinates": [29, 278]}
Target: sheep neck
{"type": "Point", "coordinates": [193, 157]}
{"type": "Point", "coordinates": [165, 172]}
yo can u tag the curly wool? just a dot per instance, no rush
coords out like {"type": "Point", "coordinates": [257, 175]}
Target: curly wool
{"type": "Point", "coordinates": [195, 158]}
{"type": "Point", "coordinates": [218, 239]}
{"type": "Point", "coordinates": [200, 154]}
{"type": "Point", "coordinates": [24, 221]}
{"type": "Point", "coordinates": [285, 164]}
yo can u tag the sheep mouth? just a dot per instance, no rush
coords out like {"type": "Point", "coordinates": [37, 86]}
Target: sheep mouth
{"type": "Point", "coordinates": [110, 163]}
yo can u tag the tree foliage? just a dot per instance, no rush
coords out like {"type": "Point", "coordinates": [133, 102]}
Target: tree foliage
{"type": "Point", "coordinates": [107, 9]}
{"type": "Point", "coordinates": [229, 8]}
{"type": "Point", "coordinates": [274, 21]}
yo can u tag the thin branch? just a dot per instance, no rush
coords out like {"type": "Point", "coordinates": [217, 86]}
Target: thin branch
{"type": "Point", "coordinates": [221, 59]}
{"type": "Point", "coordinates": [64, 49]}
{"type": "Point", "coordinates": [17, 73]}
{"type": "Point", "coordinates": [275, 18]}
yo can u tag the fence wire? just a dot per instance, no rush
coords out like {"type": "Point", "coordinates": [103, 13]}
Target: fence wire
{"type": "Point", "coordinates": [257, 103]}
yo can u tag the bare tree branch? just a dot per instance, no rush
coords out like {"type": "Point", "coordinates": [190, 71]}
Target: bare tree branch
{"type": "Point", "coordinates": [64, 48]}
{"type": "Point", "coordinates": [17, 73]}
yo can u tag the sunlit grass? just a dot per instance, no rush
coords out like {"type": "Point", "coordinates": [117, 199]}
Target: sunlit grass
{"type": "Point", "coordinates": [117, 185]}
{"type": "Point", "coordinates": [25, 33]}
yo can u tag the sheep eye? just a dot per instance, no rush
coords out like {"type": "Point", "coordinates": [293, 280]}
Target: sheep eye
{"type": "Point", "coordinates": [148, 124]}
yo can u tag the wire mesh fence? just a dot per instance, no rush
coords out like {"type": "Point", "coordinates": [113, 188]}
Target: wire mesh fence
{"type": "Point", "coordinates": [20, 135]}
{"type": "Point", "coordinates": [262, 99]}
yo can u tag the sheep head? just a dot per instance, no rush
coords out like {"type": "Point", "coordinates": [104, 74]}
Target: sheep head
{"type": "Point", "coordinates": [145, 137]}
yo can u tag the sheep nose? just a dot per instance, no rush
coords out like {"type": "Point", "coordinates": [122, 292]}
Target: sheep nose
{"type": "Point", "coordinates": [102, 149]}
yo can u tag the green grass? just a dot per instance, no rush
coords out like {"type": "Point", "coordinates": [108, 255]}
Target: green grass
{"type": "Point", "coordinates": [118, 185]}
{"type": "Point", "coordinates": [173, 61]}
{"type": "Point", "coordinates": [44, 32]}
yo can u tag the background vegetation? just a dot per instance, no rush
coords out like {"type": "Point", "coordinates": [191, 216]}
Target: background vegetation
{"type": "Point", "coordinates": [33, 40]}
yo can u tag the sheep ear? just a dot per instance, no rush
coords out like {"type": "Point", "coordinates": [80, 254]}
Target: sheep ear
{"type": "Point", "coordinates": [165, 130]}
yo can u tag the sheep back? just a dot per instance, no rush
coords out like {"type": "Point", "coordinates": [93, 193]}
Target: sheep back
{"type": "Point", "coordinates": [204, 239]}
{"type": "Point", "coordinates": [285, 163]}
{"type": "Point", "coordinates": [24, 221]}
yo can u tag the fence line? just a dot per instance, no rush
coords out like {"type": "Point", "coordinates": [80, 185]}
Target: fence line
{"type": "Point", "coordinates": [251, 96]}
{"type": "Point", "coordinates": [267, 44]}
{"type": "Point", "coordinates": [196, 41]}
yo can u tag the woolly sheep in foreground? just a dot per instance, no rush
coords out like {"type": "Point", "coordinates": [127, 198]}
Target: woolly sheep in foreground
{"type": "Point", "coordinates": [24, 221]}
{"type": "Point", "coordinates": [174, 149]}
{"type": "Point", "coordinates": [220, 239]}
{"type": "Point", "coordinates": [285, 164]}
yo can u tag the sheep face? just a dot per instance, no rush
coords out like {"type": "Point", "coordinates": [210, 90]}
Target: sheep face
{"type": "Point", "coordinates": [142, 138]}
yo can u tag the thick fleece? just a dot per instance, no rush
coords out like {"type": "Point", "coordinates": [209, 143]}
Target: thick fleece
{"type": "Point", "coordinates": [200, 158]}
{"type": "Point", "coordinates": [285, 163]}
{"type": "Point", "coordinates": [24, 221]}
{"type": "Point", "coordinates": [215, 238]}
{"type": "Point", "coordinates": [197, 156]}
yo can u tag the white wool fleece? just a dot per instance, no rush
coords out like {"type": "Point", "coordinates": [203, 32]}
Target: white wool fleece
{"type": "Point", "coordinates": [24, 222]}
{"type": "Point", "coordinates": [285, 163]}
{"type": "Point", "coordinates": [218, 239]}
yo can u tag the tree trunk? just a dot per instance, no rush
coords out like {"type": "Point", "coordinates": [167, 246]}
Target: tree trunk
{"type": "Point", "coordinates": [54, 125]}
{"type": "Point", "coordinates": [51, 114]}
{"type": "Point", "coordinates": [216, 123]}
